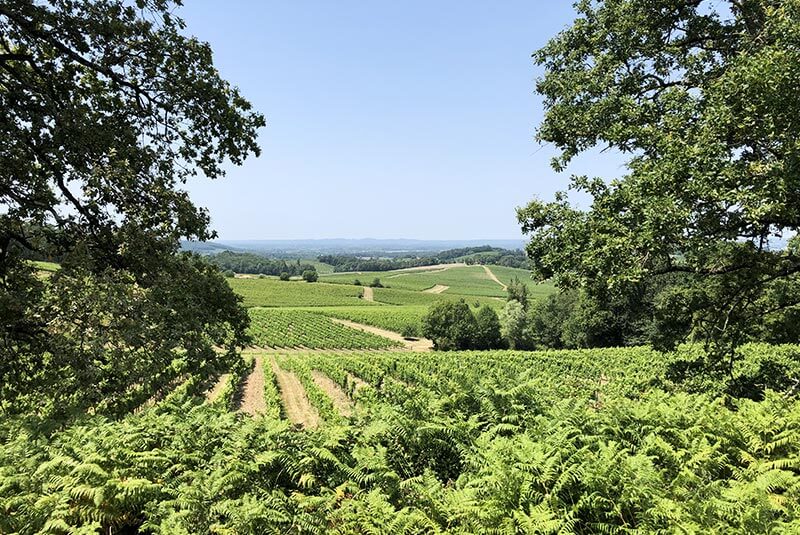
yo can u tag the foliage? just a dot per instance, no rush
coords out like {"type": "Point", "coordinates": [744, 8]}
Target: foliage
{"type": "Point", "coordinates": [255, 264]}
{"type": "Point", "coordinates": [517, 291]}
{"type": "Point", "coordinates": [513, 325]}
{"type": "Point", "coordinates": [701, 95]}
{"type": "Point", "coordinates": [107, 109]}
{"type": "Point", "coordinates": [299, 328]}
{"type": "Point", "coordinates": [468, 442]}
{"type": "Point", "coordinates": [450, 325]}
{"type": "Point", "coordinates": [310, 275]}
{"type": "Point", "coordinates": [376, 283]}
{"type": "Point", "coordinates": [487, 332]}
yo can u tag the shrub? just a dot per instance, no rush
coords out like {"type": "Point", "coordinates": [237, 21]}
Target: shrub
{"type": "Point", "coordinates": [488, 329]}
{"type": "Point", "coordinates": [229, 273]}
{"type": "Point", "coordinates": [450, 325]}
{"type": "Point", "coordinates": [310, 276]}
{"type": "Point", "coordinates": [376, 283]}
{"type": "Point", "coordinates": [284, 276]}
{"type": "Point", "coordinates": [357, 282]}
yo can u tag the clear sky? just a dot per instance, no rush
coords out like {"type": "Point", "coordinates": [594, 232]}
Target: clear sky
{"type": "Point", "coordinates": [411, 119]}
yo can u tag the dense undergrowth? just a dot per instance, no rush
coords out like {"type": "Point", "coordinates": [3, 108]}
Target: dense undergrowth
{"type": "Point", "coordinates": [469, 442]}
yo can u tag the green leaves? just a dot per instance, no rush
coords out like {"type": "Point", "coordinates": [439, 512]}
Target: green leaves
{"type": "Point", "coordinates": [703, 100]}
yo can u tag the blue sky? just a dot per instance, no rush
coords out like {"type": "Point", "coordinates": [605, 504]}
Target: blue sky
{"type": "Point", "coordinates": [411, 119]}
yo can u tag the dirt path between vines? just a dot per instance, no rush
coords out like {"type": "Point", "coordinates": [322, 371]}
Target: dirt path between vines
{"type": "Point", "coordinates": [439, 288]}
{"type": "Point", "coordinates": [494, 277]}
{"type": "Point", "coordinates": [253, 402]}
{"type": "Point", "coordinates": [340, 400]}
{"type": "Point", "coordinates": [298, 408]}
{"type": "Point", "coordinates": [368, 294]}
{"type": "Point", "coordinates": [214, 392]}
{"type": "Point", "coordinates": [438, 268]}
{"type": "Point", "coordinates": [419, 344]}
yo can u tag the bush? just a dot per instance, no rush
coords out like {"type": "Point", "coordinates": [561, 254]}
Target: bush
{"type": "Point", "coordinates": [229, 273]}
{"type": "Point", "coordinates": [284, 276]}
{"type": "Point", "coordinates": [450, 325]}
{"type": "Point", "coordinates": [514, 325]}
{"type": "Point", "coordinates": [488, 329]}
{"type": "Point", "coordinates": [410, 331]}
{"type": "Point", "coordinates": [357, 282]}
{"type": "Point", "coordinates": [310, 276]}
{"type": "Point", "coordinates": [376, 283]}
{"type": "Point", "coordinates": [262, 276]}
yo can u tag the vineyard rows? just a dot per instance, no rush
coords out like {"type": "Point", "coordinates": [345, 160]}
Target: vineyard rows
{"type": "Point", "coordinates": [300, 328]}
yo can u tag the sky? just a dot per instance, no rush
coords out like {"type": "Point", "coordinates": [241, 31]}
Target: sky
{"type": "Point", "coordinates": [411, 119]}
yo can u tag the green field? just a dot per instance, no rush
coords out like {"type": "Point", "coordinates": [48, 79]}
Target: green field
{"type": "Point", "coordinates": [268, 292]}
{"type": "Point", "coordinates": [289, 328]}
{"type": "Point", "coordinates": [461, 280]}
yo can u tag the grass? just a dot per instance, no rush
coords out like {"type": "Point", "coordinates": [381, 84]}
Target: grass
{"type": "Point", "coordinates": [300, 328]}
{"type": "Point", "coordinates": [274, 293]}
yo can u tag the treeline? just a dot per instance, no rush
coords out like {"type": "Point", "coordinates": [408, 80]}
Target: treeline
{"type": "Point", "coordinates": [354, 263]}
{"type": "Point", "coordinates": [484, 254]}
{"type": "Point", "coordinates": [258, 265]}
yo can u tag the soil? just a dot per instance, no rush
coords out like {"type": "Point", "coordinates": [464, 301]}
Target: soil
{"type": "Point", "coordinates": [298, 408]}
{"type": "Point", "coordinates": [439, 288]}
{"type": "Point", "coordinates": [253, 402]}
{"type": "Point", "coordinates": [421, 344]}
{"type": "Point", "coordinates": [339, 398]}
{"type": "Point", "coordinates": [368, 294]}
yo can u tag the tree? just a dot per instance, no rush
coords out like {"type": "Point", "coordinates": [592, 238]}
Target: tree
{"type": "Point", "coordinates": [487, 333]}
{"type": "Point", "coordinates": [513, 323]}
{"type": "Point", "coordinates": [703, 98]}
{"type": "Point", "coordinates": [284, 276]}
{"type": "Point", "coordinates": [518, 291]}
{"type": "Point", "coordinates": [107, 109]}
{"type": "Point", "coordinates": [310, 275]}
{"type": "Point", "coordinates": [450, 325]}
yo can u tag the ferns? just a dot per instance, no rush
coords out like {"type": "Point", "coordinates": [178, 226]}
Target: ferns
{"type": "Point", "coordinates": [463, 443]}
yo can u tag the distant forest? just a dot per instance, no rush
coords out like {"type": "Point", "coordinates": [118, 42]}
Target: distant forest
{"type": "Point", "coordinates": [256, 264]}
{"type": "Point", "coordinates": [469, 255]}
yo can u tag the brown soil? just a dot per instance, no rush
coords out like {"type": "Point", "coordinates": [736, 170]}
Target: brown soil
{"type": "Point", "coordinates": [340, 400]}
{"type": "Point", "coordinates": [368, 294]}
{"type": "Point", "coordinates": [295, 402]}
{"type": "Point", "coordinates": [438, 268]}
{"type": "Point", "coordinates": [253, 402]}
{"type": "Point", "coordinates": [439, 288]}
{"type": "Point", "coordinates": [420, 344]}
{"type": "Point", "coordinates": [214, 392]}
{"type": "Point", "coordinates": [494, 277]}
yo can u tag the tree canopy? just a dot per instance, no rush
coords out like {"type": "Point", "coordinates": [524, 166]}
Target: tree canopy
{"type": "Point", "coordinates": [107, 109]}
{"type": "Point", "coordinates": [701, 97]}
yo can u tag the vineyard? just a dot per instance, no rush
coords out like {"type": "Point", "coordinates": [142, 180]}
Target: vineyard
{"type": "Point", "coordinates": [258, 292]}
{"type": "Point", "coordinates": [392, 318]}
{"type": "Point", "coordinates": [593, 441]}
{"type": "Point", "coordinates": [298, 328]}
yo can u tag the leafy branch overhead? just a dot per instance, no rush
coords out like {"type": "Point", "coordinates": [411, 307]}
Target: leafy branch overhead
{"type": "Point", "coordinates": [107, 106]}
{"type": "Point", "coordinates": [107, 109]}
{"type": "Point", "coordinates": [702, 99]}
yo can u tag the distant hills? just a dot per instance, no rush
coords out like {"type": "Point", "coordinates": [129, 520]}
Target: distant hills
{"type": "Point", "coordinates": [342, 246]}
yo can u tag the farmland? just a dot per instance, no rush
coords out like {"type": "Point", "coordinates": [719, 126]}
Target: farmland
{"type": "Point", "coordinates": [270, 292]}
{"type": "Point", "coordinates": [298, 328]}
